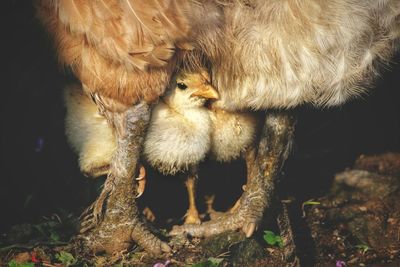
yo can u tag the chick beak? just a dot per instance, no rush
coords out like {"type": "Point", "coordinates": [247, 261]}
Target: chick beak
{"type": "Point", "coordinates": [207, 92]}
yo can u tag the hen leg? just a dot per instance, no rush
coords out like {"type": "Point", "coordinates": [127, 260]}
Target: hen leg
{"type": "Point", "coordinates": [260, 191]}
{"type": "Point", "coordinates": [112, 223]}
{"type": "Point", "coordinates": [192, 214]}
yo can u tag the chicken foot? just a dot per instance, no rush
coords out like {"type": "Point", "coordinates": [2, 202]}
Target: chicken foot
{"type": "Point", "coordinates": [112, 223]}
{"type": "Point", "coordinates": [259, 195]}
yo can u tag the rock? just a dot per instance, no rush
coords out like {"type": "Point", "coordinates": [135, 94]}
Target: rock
{"type": "Point", "coordinates": [359, 220]}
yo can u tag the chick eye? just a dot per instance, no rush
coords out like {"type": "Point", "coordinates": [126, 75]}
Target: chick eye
{"type": "Point", "coordinates": [182, 86]}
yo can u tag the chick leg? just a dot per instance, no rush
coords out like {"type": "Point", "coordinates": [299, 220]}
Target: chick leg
{"type": "Point", "coordinates": [112, 223]}
{"type": "Point", "coordinates": [192, 214]}
{"type": "Point", "coordinates": [259, 194]}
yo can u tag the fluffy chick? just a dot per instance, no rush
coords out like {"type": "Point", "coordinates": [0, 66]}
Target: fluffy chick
{"type": "Point", "coordinates": [88, 132]}
{"type": "Point", "coordinates": [178, 137]}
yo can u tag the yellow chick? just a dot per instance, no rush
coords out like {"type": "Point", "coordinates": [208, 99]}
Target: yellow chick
{"type": "Point", "coordinates": [178, 137]}
{"type": "Point", "coordinates": [88, 132]}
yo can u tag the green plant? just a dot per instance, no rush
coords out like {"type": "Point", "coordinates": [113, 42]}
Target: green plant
{"type": "Point", "coordinates": [311, 203]}
{"type": "Point", "coordinates": [308, 203]}
{"type": "Point", "coordinates": [272, 239]}
{"type": "Point", "coordinates": [13, 263]}
{"type": "Point", "coordinates": [210, 262]}
{"type": "Point", "coordinates": [67, 259]}
{"type": "Point", "coordinates": [364, 248]}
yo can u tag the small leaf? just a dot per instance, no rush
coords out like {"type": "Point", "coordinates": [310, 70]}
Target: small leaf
{"type": "Point", "coordinates": [279, 241]}
{"type": "Point", "coordinates": [269, 237]}
{"type": "Point", "coordinates": [54, 236]}
{"type": "Point", "coordinates": [215, 261]}
{"type": "Point", "coordinates": [211, 262]}
{"type": "Point", "coordinates": [272, 239]}
{"type": "Point", "coordinates": [66, 258]}
{"type": "Point", "coordinates": [307, 203]}
{"type": "Point", "coordinates": [13, 263]}
{"type": "Point", "coordinates": [364, 248]}
{"type": "Point", "coordinates": [311, 203]}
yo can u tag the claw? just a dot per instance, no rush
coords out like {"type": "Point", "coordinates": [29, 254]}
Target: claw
{"type": "Point", "coordinates": [142, 173]}
{"type": "Point", "coordinates": [249, 229]}
{"type": "Point", "coordinates": [141, 181]}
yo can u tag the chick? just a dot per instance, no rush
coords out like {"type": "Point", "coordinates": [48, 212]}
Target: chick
{"type": "Point", "coordinates": [179, 135]}
{"type": "Point", "coordinates": [182, 132]}
{"type": "Point", "coordinates": [233, 135]}
{"type": "Point", "coordinates": [88, 132]}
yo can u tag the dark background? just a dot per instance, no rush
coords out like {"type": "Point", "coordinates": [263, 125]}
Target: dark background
{"type": "Point", "coordinates": [39, 173]}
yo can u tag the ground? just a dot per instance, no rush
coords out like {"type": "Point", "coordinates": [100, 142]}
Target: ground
{"type": "Point", "coordinates": [357, 223]}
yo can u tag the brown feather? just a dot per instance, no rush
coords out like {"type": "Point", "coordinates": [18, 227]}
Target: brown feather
{"type": "Point", "coordinates": [119, 49]}
{"type": "Point", "coordinates": [76, 14]}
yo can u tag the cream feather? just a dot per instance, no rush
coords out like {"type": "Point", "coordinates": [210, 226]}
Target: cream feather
{"type": "Point", "coordinates": [178, 136]}
{"type": "Point", "coordinates": [88, 132]}
{"type": "Point", "coordinates": [232, 133]}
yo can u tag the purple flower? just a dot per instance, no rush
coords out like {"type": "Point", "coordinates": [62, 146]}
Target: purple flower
{"type": "Point", "coordinates": [159, 264]}
{"type": "Point", "coordinates": [39, 144]}
{"type": "Point", "coordinates": [340, 263]}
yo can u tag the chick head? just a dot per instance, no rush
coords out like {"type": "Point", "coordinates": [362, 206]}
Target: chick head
{"type": "Point", "coordinates": [190, 90]}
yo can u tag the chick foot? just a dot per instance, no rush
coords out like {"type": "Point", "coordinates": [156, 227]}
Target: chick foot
{"type": "Point", "coordinates": [112, 223]}
{"type": "Point", "coordinates": [260, 189]}
{"type": "Point", "coordinates": [192, 217]}
{"type": "Point", "coordinates": [192, 214]}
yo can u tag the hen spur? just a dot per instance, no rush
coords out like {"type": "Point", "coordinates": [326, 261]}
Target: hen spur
{"type": "Point", "coordinates": [262, 54]}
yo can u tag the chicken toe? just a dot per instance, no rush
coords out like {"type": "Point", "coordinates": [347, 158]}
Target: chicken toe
{"type": "Point", "coordinates": [141, 181]}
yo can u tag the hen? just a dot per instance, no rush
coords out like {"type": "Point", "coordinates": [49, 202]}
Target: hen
{"type": "Point", "coordinates": [262, 54]}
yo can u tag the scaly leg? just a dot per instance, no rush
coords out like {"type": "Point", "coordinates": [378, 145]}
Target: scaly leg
{"type": "Point", "coordinates": [112, 223]}
{"type": "Point", "coordinates": [260, 191]}
{"type": "Point", "coordinates": [192, 214]}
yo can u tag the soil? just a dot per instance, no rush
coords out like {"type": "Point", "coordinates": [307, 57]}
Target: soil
{"type": "Point", "coordinates": [356, 224]}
